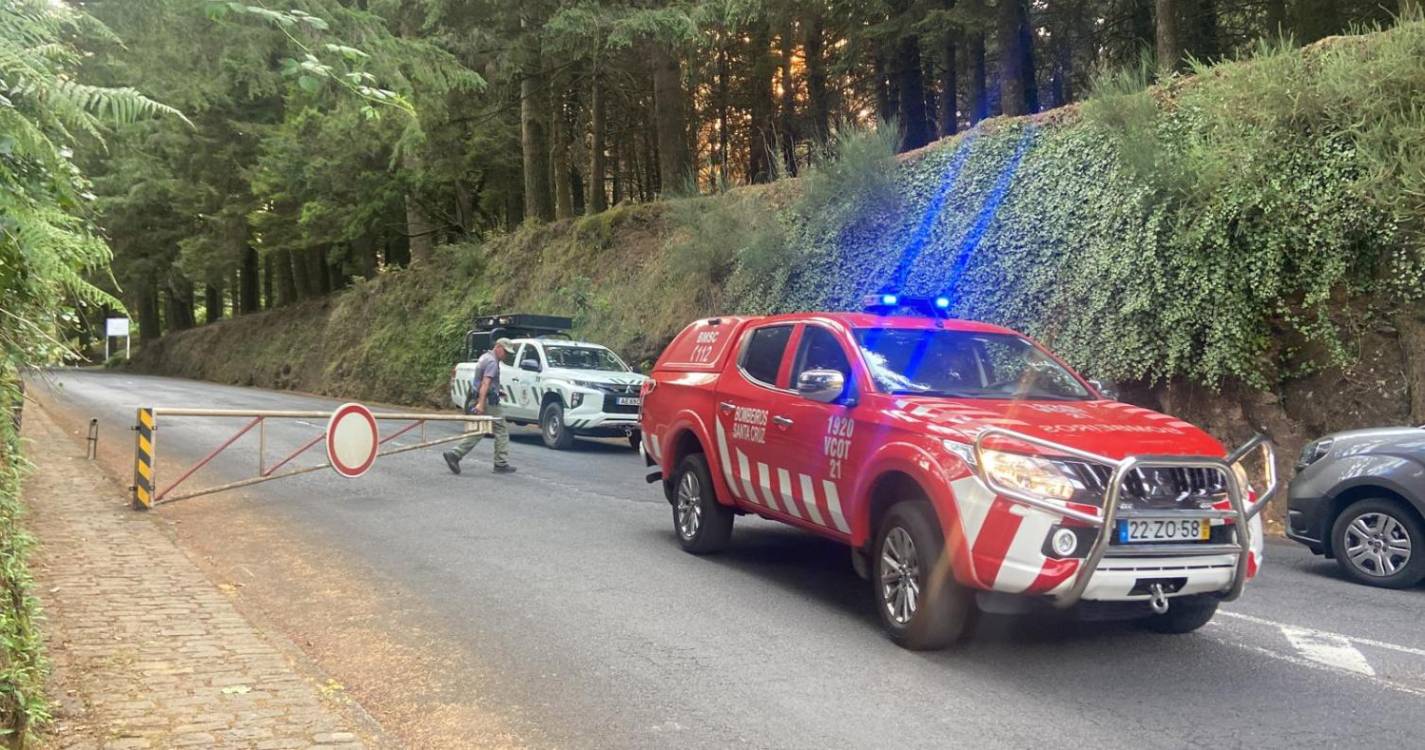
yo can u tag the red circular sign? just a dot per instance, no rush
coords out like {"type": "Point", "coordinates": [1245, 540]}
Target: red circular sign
{"type": "Point", "coordinates": [352, 440]}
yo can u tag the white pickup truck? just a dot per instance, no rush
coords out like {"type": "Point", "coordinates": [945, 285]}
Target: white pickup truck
{"type": "Point", "coordinates": [568, 388]}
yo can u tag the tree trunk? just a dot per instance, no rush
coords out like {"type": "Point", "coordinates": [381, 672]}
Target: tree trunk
{"type": "Point", "coordinates": [1018, 94]}
{"type": "Point", "coordinates": [150, 327]}
{"type": "Point", "coordinates": [1315, 19]}
{"type": "Point", "coordinates": [534, 137]}
{"type": "Point", "coordinates": [885, 100]}
{"type": "Point", "coordinates": [946, 120]}
{"type": "Point", "coordinates": [1169, 47]}
{"type": "Point", "coordinates": [764, 143]}
{"type": "Point", "coordinates": [212, 303]}
{"type": "Point", "coordinates": [268, 300]}
{"type": "Point", "coordinates": [363, 251]}
{"type": "Point", "coordinates": [285, 283]}
{"type": "Point", "coordinates": [180, 304]}
{"type": "Point", "coordinates": [559, 157]}
{"type": "Point", "coordinates": [817, 99]}
{"type": "Point", "coordinates": [419, 226]}
{"type": "Point", "coordinates": [979, 75]}
{"type": "Point", "coordinates": [319, 274]}
{"type": "Point", "coordinates": [616, 184]}
{"type": "Point", "coordinates": [250, 295]}
{"type": "Point", "coordinates": [1143, 33]}
{"type": "Point", "coordinates": [671, 122]}
{"type": "Point", "coordinates": [789, 103]}
{"type": "Point", "coordinates": [1276, 17]}
{"type": "Point", "coordinates": [598, 197]}
{"type": "Point", "coordinates": [910, 85]}
{"type": "Point", "coordinates": [1206, 37]}
{"type": "Point", "coordinates": [724, 159]}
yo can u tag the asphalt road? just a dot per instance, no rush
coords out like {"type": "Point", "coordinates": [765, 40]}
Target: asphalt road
{"type": "Point", "coordinates": [565, 587]}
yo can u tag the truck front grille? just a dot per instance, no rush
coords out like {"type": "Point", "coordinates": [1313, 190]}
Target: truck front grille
{"type": "Point", "coordinates": [1153, 488]}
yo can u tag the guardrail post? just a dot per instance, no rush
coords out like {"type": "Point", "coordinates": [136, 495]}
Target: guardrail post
{"type": "Point", "coordinates": [144, 452]}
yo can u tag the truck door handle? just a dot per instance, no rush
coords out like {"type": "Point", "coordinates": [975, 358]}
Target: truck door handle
{"type": "Point", "coordinates": [727, 407]}
{"type": "Point", "coordinates": [782, 422]}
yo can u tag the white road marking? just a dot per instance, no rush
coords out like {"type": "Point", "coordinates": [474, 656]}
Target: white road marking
{"type": "Point", "coordinates": [1300, 662]}
{"type": "Point", "coordinates": [1354, 640]}
{"type": "Point", "coordinates": [1329, 649]}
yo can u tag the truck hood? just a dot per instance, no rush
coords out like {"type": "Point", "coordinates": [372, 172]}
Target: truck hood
{"type": "Point", "coordinates": [1108, 428]}
{"type": "Point", "coordinates": [596, 376]}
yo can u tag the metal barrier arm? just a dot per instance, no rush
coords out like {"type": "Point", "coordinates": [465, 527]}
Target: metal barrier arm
{"type": "Point", "coordinates": [146, 454]}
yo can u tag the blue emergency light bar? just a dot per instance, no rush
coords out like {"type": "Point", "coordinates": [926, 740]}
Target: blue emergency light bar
{"type": "Point", "coordinates": [889, 303]}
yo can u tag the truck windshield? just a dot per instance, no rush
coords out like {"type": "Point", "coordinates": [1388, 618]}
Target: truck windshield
{"type": "Point", "coordinates": [964, 364]}
{"type": "Point", "coordinates": [583, 358]}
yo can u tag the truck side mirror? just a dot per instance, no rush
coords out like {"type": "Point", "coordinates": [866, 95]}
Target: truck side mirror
{"type": "Point", "coordinates": [1106, 389]}
{"type": "Point", "coordinates": [825, 386]}
{"type": "Point", "coordinates": [530, 365]}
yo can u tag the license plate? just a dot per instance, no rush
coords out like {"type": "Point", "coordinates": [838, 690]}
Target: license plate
{"type": "Point", "coordinates": [1163, 530]}
{"type": "Point", "coordinates": [629, 401]}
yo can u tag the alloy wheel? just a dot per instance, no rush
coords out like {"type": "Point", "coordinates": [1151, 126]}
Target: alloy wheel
{"type": "Point", "coordinates": [690, 507]}
{"type": "Point", "coordinates": [1378, 544]}
{"type": "Point", "coordinates": [900, 576]}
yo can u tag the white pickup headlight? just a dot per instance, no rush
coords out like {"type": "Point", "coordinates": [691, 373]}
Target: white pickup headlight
{"type": "Point", "coordinates": [1030, 474]}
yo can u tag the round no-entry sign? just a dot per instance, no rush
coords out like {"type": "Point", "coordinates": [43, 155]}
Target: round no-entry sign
{"type": "Point", "coordinates": [352, 440]}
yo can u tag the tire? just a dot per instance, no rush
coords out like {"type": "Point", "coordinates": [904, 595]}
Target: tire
{"type": "Point", "coordinates": [921, 605]}
{"type": "Point", "coordinates": [635, 439]}
{"type": "Point", "coordinates": [1183, 616]}
{"type": "Point", "coordinates": [552, 428]}
{"type": "Point", "coordinates": [703, 525]}
{"type": "Point", "coordinates": [1390, 541]}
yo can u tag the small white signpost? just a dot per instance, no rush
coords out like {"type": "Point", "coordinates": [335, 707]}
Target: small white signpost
{"type": "Point", "coordinates": [352, 440]}
{"type": "Point", "coordinates": [114, 328]}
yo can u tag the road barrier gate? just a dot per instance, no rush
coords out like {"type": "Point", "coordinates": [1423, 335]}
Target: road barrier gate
{"type": "Point", "coordinates": [146, 490]}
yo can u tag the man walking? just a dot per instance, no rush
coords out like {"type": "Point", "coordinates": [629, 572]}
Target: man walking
{"type": "Point", "coordinates": [487, 402]}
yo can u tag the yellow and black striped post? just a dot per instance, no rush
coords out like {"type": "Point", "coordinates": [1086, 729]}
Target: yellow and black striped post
{"type": "Point", "coordinates": [143, 460]}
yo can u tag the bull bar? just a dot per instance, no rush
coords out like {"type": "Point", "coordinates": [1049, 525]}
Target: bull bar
{"type": "Point", "coordinates": [1241, 513]}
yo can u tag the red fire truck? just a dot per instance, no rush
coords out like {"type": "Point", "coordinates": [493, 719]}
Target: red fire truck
{"type": "Point", "coordinates": [965, 466]}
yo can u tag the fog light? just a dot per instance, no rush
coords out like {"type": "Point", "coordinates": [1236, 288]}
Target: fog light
{"type": "Point", "coordinates": [576, 400]}
{"type": "Point", "coordinates": [1065, 542]}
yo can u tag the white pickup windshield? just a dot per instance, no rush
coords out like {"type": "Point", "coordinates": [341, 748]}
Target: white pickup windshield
{"type": "Point", "coordinates": [964, 364]}
{"type": "Point", "coordinates": [583, 358]}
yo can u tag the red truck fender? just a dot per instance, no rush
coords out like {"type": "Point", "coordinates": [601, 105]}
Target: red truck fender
{"type": "Point", "coordinates": [689, 422]}
{"type": "Point", "coordinates": [933, 475]}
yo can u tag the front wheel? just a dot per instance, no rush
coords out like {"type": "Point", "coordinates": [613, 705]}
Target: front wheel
{"type": "Point", "coordinates": [703, 524]}
{"type": "Point", "coordinates": [1378, 542]}
{"type": "Point", "coordinates": [1183, 616]}
{"type": "Point", "coordinates": [921, 605]}
{"type": "Point", "coordinates": [556, 434]}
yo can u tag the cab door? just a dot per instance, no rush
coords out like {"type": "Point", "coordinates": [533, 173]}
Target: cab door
{"type": "Point", "coordinates": [522, 385]}
{"type": "Point", "coordinates": [825, 443]}
{"type": "Point", "coordinates": [748, 393]}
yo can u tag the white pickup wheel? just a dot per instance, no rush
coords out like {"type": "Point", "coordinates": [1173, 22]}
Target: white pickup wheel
{"type": "Point", "coordinates": [552, 428]}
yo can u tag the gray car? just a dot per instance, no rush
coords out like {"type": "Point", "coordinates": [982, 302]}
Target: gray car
{"type": "Point", "coordinates": [1359, 497]}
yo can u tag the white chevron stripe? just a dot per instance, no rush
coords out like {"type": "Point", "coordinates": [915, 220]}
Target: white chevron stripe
{"type": "Point", "coordinates": [833, 504]}
{"type": "Point", "coordinates": [809, 499]}
{"type": "Point", "coordinates": [1025, 558]}
{"type": "Point", "coordinates": [784, 482]}
{"type": "Point", "coordinates": [972, 501]}
{"type": "Point", "coordinates": [725, 458]}
{"type": "Point", "coordinates": [744, 475]}
{"type": "Point", "coordinates": [764, 483]}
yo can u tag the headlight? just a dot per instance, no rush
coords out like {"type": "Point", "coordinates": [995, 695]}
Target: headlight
{"type": "Point", "coordinates": [1313, 452]}
{"type": "Point", "coordinates": [1026, 473]}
